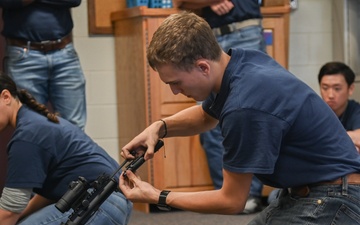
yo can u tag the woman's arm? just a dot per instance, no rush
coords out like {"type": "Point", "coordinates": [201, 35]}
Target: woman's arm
{"type": "Point", "coordinates": [8, 218]}
{"type": "Point", "coordinates": [36, 203]}
{"type": "Point", "coordinates": [13, 201]}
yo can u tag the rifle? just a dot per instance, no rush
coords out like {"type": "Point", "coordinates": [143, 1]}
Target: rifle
{"type": "Point", "coordinates": [85, 198]}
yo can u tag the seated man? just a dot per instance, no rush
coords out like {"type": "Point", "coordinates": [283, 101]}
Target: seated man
{"type": "Point", "coordinates": [336, 82]}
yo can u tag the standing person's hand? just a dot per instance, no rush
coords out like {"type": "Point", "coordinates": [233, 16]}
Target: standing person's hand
{"type": "Point", "coordinates": [222, 8]}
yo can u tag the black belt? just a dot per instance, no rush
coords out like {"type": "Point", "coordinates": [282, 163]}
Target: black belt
{"type": "Point", "coordinates": [44, 46]}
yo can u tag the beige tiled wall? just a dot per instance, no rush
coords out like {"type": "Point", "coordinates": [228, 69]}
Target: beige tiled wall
{"type": "Point", "coordinates": [310, 47]}
{"type": "Point", "coordinates": [310, 39]}
{"type": "Point", "coordinates": [98, 62]}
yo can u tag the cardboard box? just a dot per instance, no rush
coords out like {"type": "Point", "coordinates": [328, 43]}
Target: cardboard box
{"type": "Point", "coordinates": [266, 3]}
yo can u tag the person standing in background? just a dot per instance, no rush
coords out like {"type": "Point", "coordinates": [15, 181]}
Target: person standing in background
{"type": "Point", "coordinates": [236, 24]}
{"type": "Point", "coordinates": [336, 81]}
{"type": "Point", "coordinates": [40, 55]}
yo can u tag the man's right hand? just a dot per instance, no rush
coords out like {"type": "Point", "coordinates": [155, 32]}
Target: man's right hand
{"type": "Point", "coordinates": [145, 140]}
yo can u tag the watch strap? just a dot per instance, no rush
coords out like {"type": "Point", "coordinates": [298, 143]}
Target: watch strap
{"type": "Point", "coordinates": [162, 201]}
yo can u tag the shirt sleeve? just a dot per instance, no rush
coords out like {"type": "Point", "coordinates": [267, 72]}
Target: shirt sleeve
{"type": "Point", "coordinates": [15, 200]}
{"type": "Point", "coordinates": [252, 141]}
{"type": "Point", "coordinates": [27, 165]}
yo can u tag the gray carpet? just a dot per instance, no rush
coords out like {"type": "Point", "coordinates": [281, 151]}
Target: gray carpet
{"type": "Point", "coordinates": [188, 218]}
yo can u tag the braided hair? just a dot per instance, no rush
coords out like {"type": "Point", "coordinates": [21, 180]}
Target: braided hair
{"type": "Point", "coordinates": [26, 98]}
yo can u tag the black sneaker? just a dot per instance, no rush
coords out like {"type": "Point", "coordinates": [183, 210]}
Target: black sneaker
{"type": "Point", "coordinates": [253, 205]}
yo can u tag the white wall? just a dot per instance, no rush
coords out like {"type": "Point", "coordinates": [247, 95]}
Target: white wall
{"type": "Point", "coordinates": [310, 39]}
{"type": "Point", "coordinates": [310, 47]}
{"type": "Point", "coordinates": [97, 58]}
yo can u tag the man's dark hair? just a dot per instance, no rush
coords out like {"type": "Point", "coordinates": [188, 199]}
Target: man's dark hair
{"type": "Point", "coordinates": [333, 68]}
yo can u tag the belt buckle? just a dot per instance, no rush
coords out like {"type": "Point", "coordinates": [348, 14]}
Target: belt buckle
{"type": "Point", "coordinates": [46, 45]}
{"type": "Point", "coordinates": [45, 42]}
{"type": "Point", "coordinates": [225, 30]}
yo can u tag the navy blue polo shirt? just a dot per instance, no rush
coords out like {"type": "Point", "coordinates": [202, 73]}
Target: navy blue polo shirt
{"type": "Point", "coordinates": [47, 156]}
{"type": "Point", "coordinates": [350, 119]}
{"type": "Point", "coordinates": [39, 21]}
{"type": "Point", "coordinates": [243, 10]}
{"type": "Point", "coordinates": [277, 127]}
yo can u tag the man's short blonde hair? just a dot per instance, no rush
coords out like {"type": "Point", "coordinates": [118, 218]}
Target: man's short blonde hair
{"type": "Point", "coordinates": [181, 40]}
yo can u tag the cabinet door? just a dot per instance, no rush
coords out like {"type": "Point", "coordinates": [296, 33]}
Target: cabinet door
{"type": "Point", "coordinates": [277, 40]}
{"type": "Point", "coordinates": [185, 166]}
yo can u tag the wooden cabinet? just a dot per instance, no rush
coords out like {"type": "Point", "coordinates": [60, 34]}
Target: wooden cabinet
{"type": "Point", "coordinates": [276, 25]}
{"type": "Point", "coordinates": [143, 98]}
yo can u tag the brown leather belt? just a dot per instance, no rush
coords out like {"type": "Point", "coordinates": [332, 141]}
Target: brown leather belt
{"type": "Point", "coordinates": [303, 191]}
{"type": "Point", "coordinates": [44, 46]}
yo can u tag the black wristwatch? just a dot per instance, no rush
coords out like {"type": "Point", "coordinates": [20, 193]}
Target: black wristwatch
{"type": "Point", "coordinates": [162, 201]}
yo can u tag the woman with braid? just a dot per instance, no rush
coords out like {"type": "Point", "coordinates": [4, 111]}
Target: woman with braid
{"type": "Point", "coordinates": [45, 154]}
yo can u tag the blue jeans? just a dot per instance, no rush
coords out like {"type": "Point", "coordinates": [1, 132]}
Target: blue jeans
{"type": "Point", "coordinates": [248, 38]}
{"type": "Point", "coordinates": [116, 210]}
{"type": "Point", "coordinates": [327, 204]}
{"type": "Point", "coordinates": [54, 77]}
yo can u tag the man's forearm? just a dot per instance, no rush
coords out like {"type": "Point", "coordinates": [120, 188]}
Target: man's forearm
{"type": "Point", "coordinates": [189, 122]}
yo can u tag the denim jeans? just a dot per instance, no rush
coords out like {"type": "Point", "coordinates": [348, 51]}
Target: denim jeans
{"type": "Point", "coordinates": [116, 210]}
{"type": "Point", "coordinates": [326, 204]}
{"type": "Point", "coordinates": [248, 38]}
{"type": "Point", "coordinates": [54, 77]}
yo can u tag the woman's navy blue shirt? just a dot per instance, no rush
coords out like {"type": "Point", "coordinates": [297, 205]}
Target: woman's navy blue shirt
{"type": "Point", "coordinates": [47, 156]}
